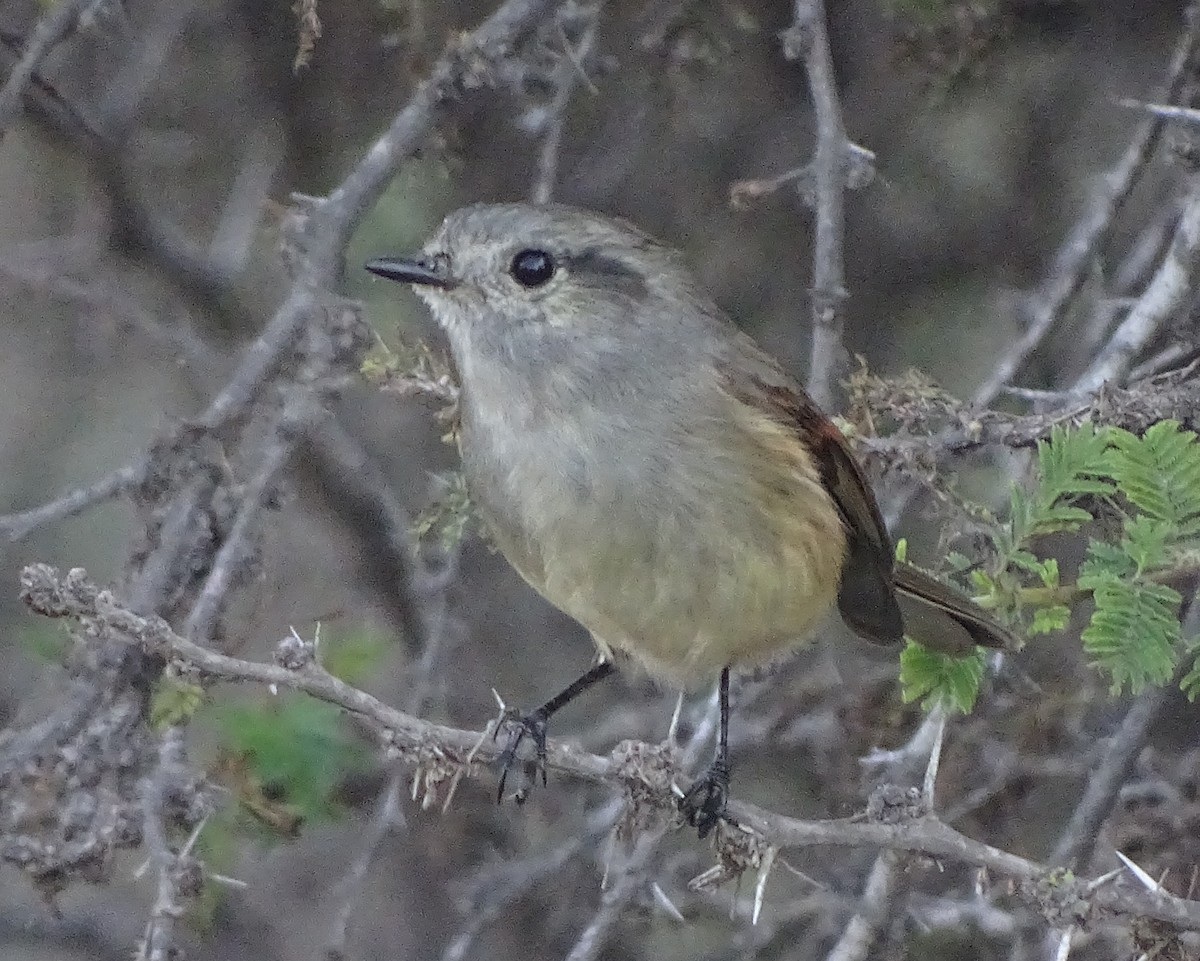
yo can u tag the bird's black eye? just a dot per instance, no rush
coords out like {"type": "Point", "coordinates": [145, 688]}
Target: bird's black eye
{"type": "Point", "coordinates": [532, 268]}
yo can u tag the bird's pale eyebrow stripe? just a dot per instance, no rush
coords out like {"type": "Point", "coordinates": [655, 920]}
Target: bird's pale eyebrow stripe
{"type": "Point", "coordinates": [594, 267]}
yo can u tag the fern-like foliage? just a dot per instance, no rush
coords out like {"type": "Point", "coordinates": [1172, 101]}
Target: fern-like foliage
{"type": "Point", "coordinates": [1152, 483]}
{"type": "Point", "coordinates": [1134, 635]}
{"type": "Point", "coordinates": [1070, 466]}
{"type": "Point", "coordinates": [1159, 473]}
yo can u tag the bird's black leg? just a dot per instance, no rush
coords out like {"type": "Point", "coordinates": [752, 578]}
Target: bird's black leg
{"type": "Point", "coordinates": [704, 803]}
{"type": "Point", "coordinates": [533, 726]}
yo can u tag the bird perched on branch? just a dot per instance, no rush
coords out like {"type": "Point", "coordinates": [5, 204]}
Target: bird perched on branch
{"type": "Point", "coordinates": [650, 470]}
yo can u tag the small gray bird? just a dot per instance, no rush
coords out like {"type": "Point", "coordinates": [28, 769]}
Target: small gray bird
{"type": "Point", "coordinates": [649, 470]}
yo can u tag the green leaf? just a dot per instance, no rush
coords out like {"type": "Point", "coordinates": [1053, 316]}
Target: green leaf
{"type": "Point", "coordinates": [1159, 473]}
{"type": "Point", "coordinates": [1049, 572]}
{"type": "Point", "coordinates": [1048, 619]}
{"type": "Point", "coordinates": [956, 562]}
{"type": "Point", "coordinates": [1145, 541]}
{"type": "Point", "coordinates": [1051, 519]}
{"type": "Point", "coordinates": [1190, 685]}
{"type": "Point", "coordinates": [1105, 559]}
{"type": "Point", "coordinates": [1026, 561]}
{"type": "Point", "coordinates": [356, 655]}
{"type": "Point", "coordinates": [937, 678]}
{"type": "Point", "coordinates": [174, 701]}
{"type": "Point", "coordinates": [1073, 462]}
{"type": "Point", "coordinates": [297, 746]}
{"type": "Point", "coordinates": [1134, 631]}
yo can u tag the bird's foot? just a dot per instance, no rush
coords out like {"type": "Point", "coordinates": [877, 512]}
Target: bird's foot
{"type": "Point", "coordinates": [704, 803]}
{"type": "Point", "coordinates": [521, 726]}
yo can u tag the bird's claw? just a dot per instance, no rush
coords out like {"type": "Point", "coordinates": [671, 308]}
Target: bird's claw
{"type": "Point", "coordinates": [521, 726]}
{"type": "Point", "coordinates": [704, 803]}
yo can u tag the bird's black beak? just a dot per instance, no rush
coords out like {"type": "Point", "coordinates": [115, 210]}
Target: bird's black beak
{"type": "Point", "coordinates": [412, 270]}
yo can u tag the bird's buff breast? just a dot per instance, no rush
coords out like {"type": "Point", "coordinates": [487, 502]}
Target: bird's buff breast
{"type": "Point", "coordinates": [688, 556]}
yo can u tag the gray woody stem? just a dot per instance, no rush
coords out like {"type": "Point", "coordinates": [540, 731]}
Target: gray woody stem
{"type": "Point", "coordinates": [807, 39]}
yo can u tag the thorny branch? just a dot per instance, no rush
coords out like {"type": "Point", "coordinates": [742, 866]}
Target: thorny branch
{"type": "Point", "coordinates": [936, 426]}
{"type": "Point", "coordinates": [447, 751]}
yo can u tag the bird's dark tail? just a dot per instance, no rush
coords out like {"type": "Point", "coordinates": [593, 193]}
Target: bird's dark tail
{"type": "Point", "coordinates": [944, 619]}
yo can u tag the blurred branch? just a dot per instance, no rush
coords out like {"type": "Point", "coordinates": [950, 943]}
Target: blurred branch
{"type": "Point", "coordinates": [1165, 110]}
{"type": "Point", "coordinates": [353, 488]}
{"type": "Point", "coordinates": [17, 527]}
{"type": "Point", "coordinates": [880, 894]}
{"type": "Point", "coordinates": [444, 753]}
{"type": "Point", "coordinates": [859, 170]}
{"type": "Point", "coordinates": [1103, 784]}
{"type": "Point", "coordinates": [1078, 840]}
{"type": "Point", "coordinates": [506, 882]}
{"type": "Point", "coordinates": [1091, 233]}
{"type": "Point", "coordinates": [631, 876]}
{"type": "Point", "coordinates": [387, 815]}
{"type": "Point", "coordinates": [58, 21]}
{"type": "Point", "coordinates": [240, 545]}
{"type": "Point", "coordinates": [1164, 297]}
{"type": "Point", "coordinates": [466, 65]}
{"type": "Point", "coordinates": [567, 75]}
{"type": "Point", "coordinates": [808, 40]}
{"type": "Point", "coordinates": [138, 224]}
{"type": "Point", "coordinates": [887, 884]}
{"type": "Point", "coordinates": [179, 874]}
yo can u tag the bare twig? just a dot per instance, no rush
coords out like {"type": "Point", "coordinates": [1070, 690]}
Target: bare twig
{"type": "Point", "coordinates": [1090, 235]}
{"type": "Point", "coordinates": [858, 172]}
{"type": "Point", "coordinates": [463, 65]}
{"type": "Point", "coordinates": [878, 904]}
{"type": "Point", "coordinates": [630, 878]}
{"type": "Point", "coordinates": [929, 783]}
{"type": "Point", "coordinates": [17, 527]}
{"type": "Point", "coordinates": [1167, 111]}
{"type": "Point", "coordinates": [807, 39]}
{"type": "Point", "coordinates": [238, 548]}
{"type": "Point", "coordinates": [179, 874]}
{"type": "Point", "coordinates": [1166, 294]}
{"type": "Point", "coordinates": [1174, 395]}
{"type": "Point", "coordinates": [387, 816]}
